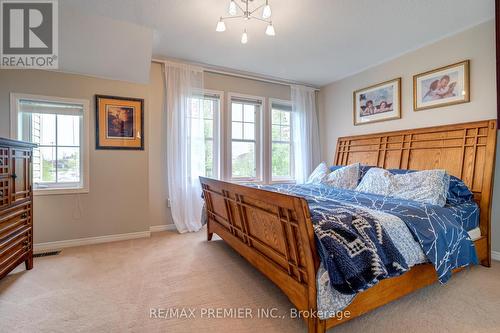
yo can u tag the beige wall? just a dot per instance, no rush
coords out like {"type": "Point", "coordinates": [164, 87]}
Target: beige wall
{"type": "Point", "coordinates": [476, 44]}
{"type": "Point", "coordinates": [118, 199]}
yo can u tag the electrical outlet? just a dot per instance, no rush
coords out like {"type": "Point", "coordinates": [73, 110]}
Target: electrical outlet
{"type": "Point", "coordinates": [169, 203]}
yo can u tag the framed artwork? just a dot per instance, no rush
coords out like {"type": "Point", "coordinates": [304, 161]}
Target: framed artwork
{"type": "Point", "coordinates": [119, 123]}
{"type": "Point", "coordinates": [443, 86]}
{"type": "Point", "coordinates": [379, 102]}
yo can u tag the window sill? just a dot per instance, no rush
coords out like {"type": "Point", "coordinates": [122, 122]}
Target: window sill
{"type": "Point", "coordinates": [59, 191]}
{"type": "Point", "coordinates": [283, 181]}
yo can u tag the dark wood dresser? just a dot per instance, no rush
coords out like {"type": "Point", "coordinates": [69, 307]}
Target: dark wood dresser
{"type": "Point", "coordinates": [16, 205]}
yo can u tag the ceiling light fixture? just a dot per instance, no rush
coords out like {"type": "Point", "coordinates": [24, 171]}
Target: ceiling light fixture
{"type": "Point", "coordinates": [221, 26]}
{"type": "Point", "coordinates": [233, 9]}
{"type": "Point", "coordinates": [244, 37]}
{"type": "Point", "coordinates": [247, 14]}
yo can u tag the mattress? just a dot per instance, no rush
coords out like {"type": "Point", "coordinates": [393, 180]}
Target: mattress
{"type": "Point", "coordinates": [474, 234]}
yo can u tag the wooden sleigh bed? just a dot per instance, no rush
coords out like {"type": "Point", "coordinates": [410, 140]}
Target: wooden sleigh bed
{"type": "Point", "coordinates": [273, 231]}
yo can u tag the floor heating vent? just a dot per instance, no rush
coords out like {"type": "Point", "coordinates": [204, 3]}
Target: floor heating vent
{"type": "Point", "coordinates": [46, 254]}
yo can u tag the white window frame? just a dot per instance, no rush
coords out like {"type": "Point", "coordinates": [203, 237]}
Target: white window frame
{"type": "Point", "coordinates": [259, 140]}
{"type": "Point", "coordinates": [217, 132]}
{"type": "Point", "coordinates": [290, 179]}
{"type": "Point", "coordinates": [84, 139]}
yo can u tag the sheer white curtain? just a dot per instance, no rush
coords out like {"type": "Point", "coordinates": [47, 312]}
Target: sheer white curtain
{"type": "Point", "coordinates": [185, 144]}
{"type": "Point", "coordinates": [305, 131]}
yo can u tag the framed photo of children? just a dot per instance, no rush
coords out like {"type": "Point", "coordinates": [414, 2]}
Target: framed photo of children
{"type": "Point", "coordinates": [442, 87]}
{"type": "Point", "coordinates": [379, 102]}
{"type": "Point", "coordinates": [119, 123]}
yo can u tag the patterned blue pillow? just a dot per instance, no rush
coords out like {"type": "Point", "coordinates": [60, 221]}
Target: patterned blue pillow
{"type": "Point", "coordinates": [458, 192]}
{"type": "Point", "coordinates": [428, 186]}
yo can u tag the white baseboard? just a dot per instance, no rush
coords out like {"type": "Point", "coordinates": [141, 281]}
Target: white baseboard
{"type": "Point", "coordinates": [88, 241]}
{"type": "Point", "coordinates": [162, 227]}
{"type": "Point", "coordinates": [495, 255]}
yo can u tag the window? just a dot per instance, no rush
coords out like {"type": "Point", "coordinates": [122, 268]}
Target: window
{"type": "Point", "coordinates": [204, 113]}
{"type": "Point", "coordinates": [59, 127]}
{"type": "Point", "coordinates": [245, 138]}
{"type": "Point", "coordinates": [281, 142]}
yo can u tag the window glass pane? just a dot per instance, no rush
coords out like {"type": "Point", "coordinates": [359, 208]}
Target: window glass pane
{"type": "Point", "coordinates": [243, 159]}
{"type": "Point", "coordinates": [285, 133]}
{"type": "Point", "coordinates": [209, 129]}
{"type": "Point", "coordinates": [236, 112]}
{"type": "Point", "coordinates": [57, 159]}
{"type": "Point", "coordinates": [208, 109]}
{"type": "Point", "coordinates": [237, 131]}
{"type": "Point", "coordinates": [249, 113]}
{"type": "Point", "coordinates": [47, 125]}
{"type": "Point", "coordinates": [37, 165]}
{"type": "Point", "coordinates": [285, 118]}
{"type": "Point", "coordinates": [68, 130]}
{"type": "Point", "coordinates": [249, 131]}
{"type": "Point", "coordinates": [68, 165]}
{"type": "Point", "coordinates": [209, 158]}
{"type": "Point", "coordinates": [48, 165]}
{"type": "Point", "coordinates": [276, 133]}
{"type": "Point", "coordinates": [276, 117]}
{"type": "Point", "coordinates": [281, 160]}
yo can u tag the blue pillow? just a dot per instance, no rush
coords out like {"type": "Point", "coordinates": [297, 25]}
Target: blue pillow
{"type": "Point", "coordinates": [458, 192]}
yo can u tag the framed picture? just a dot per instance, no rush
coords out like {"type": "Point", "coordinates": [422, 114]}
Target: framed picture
{"type": "Point", "coordinates": [379, 102]}
{"type": "Point", "coordinates": [119, 123]}
{"type": "Point", "coordinates": [441, 87]}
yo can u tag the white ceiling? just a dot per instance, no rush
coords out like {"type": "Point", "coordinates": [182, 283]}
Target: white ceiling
{"type": "Point", "coordinates": [317, 41]}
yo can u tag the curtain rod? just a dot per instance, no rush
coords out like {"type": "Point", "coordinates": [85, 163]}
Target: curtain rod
{"type": "Point", "coordinates": [234, 73]}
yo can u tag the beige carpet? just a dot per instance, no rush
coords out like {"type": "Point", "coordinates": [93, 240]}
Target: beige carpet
{"type": "Point", "coordinates": [111, 288]}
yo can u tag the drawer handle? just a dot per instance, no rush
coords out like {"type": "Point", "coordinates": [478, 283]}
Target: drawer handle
{"type": "Point", "coordinates": [24, 215]}
{"type": "Point", "coordinates": [14, 176]}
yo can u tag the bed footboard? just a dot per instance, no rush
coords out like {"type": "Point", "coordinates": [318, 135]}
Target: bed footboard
{"type": "Point", "coordinates": [273, 231]}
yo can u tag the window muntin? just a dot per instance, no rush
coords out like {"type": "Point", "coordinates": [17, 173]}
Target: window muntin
{"type": "Point", "coordinates": [244, 139]}
{"type": "Point", "coordinates": [281, 142]}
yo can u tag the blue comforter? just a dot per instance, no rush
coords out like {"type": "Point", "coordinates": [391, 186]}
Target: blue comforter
{"type": "Point", "coordinates": [439, 230]}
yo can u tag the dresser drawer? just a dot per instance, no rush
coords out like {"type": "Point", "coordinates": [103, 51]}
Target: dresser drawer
{"type": "Point", "coordinates": [14, 221]}
{"type": "Point", "coordinates": [13, 249]}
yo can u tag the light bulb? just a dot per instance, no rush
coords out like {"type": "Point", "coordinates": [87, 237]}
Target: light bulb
{"type": "Point", "coordinates": [232, 8]}
{"type": "Point", "coordinates": [270, 30]}
{"type": "Point", "coordinates": [266, 12]}
{"type": "Point", "coordinates": [221, 26]}
{"type": "Point", "coordinates": [244, 37]}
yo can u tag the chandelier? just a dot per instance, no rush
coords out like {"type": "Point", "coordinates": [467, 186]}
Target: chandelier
{"type": "Point", "coordinates": [242, 11]}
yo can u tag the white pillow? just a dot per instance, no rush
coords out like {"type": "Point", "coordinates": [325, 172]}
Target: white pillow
{"type": "Point", "coordinates": [376, 181]}
{"type": "Point", "coordinates": [345, 178]}
{"type": "Point", "coordinates": [318, 174]}
{"type": "Point", "coordinates": [428, 186]}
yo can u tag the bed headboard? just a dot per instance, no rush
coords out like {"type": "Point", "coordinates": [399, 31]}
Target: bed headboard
{"type": "Point", "coordinates": [466, 151]}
